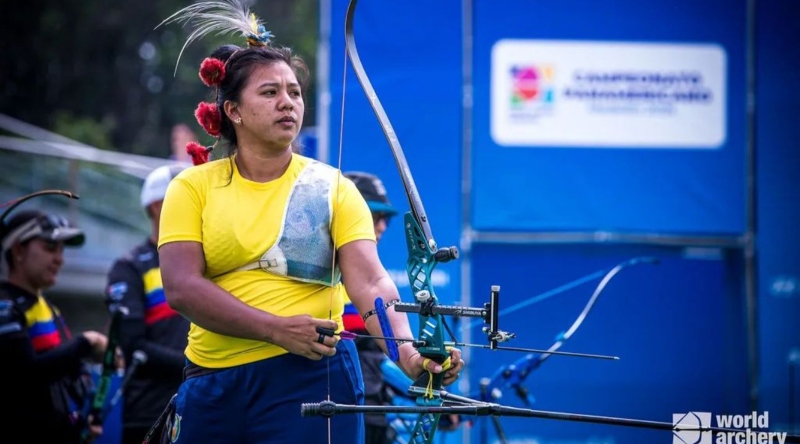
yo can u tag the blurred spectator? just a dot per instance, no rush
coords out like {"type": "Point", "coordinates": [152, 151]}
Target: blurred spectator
{"type": "Point", "coordinates": [46, 385]}
{"type": "Point", "coordinates": [151, 326]}
{"type": "Point", "coordinates": [181, 135]}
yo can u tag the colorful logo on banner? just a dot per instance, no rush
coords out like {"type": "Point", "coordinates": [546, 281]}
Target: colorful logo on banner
{"type": "Point", "coordinates": [531, 85]}
{"type": "Point", "coordinates": [601, 94]}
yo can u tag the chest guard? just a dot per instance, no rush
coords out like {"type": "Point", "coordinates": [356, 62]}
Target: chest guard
{"type": "Point", "coordinates": [304, 249]}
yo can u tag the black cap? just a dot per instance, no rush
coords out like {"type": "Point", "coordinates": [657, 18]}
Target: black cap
{"type": "Point", "coordinates": [373, 191]}
{"type": "Point", "coordinates": [29, 224]}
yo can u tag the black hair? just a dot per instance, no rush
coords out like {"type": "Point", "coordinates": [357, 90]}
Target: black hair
{"type": "Point", "coordinates": [239, 65]}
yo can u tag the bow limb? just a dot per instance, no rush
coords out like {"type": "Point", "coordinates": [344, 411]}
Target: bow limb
{"type": "Point", "coordinates": [564, 337]}
{"type": "Point", "coordinates": [423, 254]}
{"type": "Point", "coordinates": [414, 200]}
{"type": "Point", "coordinates": [515, 374]}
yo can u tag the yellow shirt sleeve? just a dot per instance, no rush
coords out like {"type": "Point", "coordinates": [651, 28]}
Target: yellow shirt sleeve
{"type": "Point", "coordinates": [181, 212]}
{"type": "Point", "coordinates": [352, 219]}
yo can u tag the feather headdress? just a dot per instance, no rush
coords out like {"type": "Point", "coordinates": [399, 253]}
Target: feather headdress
{"type": "Point", "coordinates": [220, 17]}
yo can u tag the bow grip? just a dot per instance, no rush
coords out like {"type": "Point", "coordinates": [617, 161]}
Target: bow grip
{"type": "Point", "coordinates": [428, 384]}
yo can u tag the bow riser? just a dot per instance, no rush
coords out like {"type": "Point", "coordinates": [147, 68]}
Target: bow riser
{"type": "Point", "coordinates": [425, 428]}
{"type": "Point", "coordinates": [419, 267]}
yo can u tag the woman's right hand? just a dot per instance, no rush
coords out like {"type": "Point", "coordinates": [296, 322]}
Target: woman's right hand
{"type": "Point", "coordinates": [298, 335]}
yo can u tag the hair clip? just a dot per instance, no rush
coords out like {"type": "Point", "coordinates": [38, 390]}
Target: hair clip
{"type": "Point", "coordinates": [198, 153]}
{"type": "Point", "coordinates": [261, 39]}
{"type": "Point", "coordinates": [209, 117]}
{"type": "Point", "coordinates": [212, 71]}
{"type": "Point", "coordinates": [219, 17]}
{"type": "Point", "coordinates": [260, 36]}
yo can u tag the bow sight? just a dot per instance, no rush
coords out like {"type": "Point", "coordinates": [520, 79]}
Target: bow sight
{"type": "Point", "coordinates": [489, 313]}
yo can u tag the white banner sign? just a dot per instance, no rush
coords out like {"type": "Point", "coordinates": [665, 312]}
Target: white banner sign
{"type": "Point", "coordinates": [606, 94]}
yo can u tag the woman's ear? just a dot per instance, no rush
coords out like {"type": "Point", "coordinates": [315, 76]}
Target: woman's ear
{"type": "Point", "coordinates": [231, 110]}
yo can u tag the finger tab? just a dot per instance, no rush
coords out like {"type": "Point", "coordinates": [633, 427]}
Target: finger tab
{"type": "Point", "coordinates": [325, 331]}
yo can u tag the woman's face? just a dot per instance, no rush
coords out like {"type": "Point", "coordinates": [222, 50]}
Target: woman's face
{"type": "Point", "coordinates": [270, 106]}
{"type": "Point", "coordinates": [38, 262]}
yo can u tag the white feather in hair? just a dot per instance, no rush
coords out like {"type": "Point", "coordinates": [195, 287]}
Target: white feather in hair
{"type": "Point", "coordinates": [220, 17]}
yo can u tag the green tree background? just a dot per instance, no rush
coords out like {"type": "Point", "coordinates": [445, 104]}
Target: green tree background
{"type": "Point", "coordinates": [101, 73]}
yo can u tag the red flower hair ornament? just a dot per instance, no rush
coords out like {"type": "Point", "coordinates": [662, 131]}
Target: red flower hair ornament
{"type": "Point", "coordinates": [212, 71]}
{"type": "Point", "coordinates": [209, 118]}
{"type": "Point", "coordinates": [198, 153]}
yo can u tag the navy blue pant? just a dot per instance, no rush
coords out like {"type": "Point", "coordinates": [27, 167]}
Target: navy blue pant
{"type": "Point", "coordinates": [260, 402]}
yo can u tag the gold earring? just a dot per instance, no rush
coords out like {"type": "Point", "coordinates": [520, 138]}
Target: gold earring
{"type": "Point", "coordinates": [238, 121]}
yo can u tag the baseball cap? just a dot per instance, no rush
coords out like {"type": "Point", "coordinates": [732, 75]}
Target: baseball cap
{"type": "Point", "coordinates": [31, 224]}
{"type": "Point", "coordinates": [155, 185]}
{"type": "Point", "coordinates": [373, 191]}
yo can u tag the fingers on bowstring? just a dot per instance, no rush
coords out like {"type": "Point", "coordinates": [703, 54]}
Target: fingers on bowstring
{"type": "Point", "coordinates": [325, 335]}
{"type": "Point", "coordinates": [324, 345]}
{"type": "Point", "coordinates": [328, 324]}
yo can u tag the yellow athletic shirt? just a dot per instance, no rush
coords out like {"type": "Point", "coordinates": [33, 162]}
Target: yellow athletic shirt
{"type": "Point", "coordinates": [237, 220]}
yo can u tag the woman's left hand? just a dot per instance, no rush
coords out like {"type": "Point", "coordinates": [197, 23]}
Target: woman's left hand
{"type": "Point", "coordinates": [456, 364]}
{"type": "Point", "coordinates": [413, 364]}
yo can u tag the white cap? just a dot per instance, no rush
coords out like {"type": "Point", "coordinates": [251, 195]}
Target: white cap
{"type": "Point", "coordinates": [155, 186]}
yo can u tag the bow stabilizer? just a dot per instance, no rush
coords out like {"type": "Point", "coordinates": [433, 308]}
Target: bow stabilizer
{"type": "Point", "coordinates": [466, 406]}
